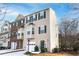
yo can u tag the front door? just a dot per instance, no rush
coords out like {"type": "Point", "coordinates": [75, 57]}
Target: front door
{"type": "Point", "coordinates": [20, 44]}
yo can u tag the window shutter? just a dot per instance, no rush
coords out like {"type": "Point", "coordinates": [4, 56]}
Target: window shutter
{"type": "Point", "coordinates": [44, 14]}
{"type": "Point", "coordinates": [45, 29]}
{"type": "Point", "coordinates": [39, 16]}
{"type": "Point", "coordinates": [39, 30]}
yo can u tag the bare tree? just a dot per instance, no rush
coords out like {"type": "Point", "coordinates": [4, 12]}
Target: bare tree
{"type": "Point", "coordinates": [68, 31]}
{"type": "Point", "coordinates": [3, 11]}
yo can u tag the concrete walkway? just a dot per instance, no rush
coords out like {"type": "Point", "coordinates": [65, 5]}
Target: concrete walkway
{"type": "Point", "coordinates": [9, 51]}
{"type": "Point", "coordinates": [19, 53]}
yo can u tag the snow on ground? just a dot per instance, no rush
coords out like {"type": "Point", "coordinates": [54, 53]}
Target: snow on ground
{"type": "Point", "coordinates": [20, 53]}
{"type": "Point", "coordinates": [4, 51]}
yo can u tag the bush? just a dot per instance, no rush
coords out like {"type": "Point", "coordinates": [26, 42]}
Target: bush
{"type": "Point", "coordinates": [36, 48]}
{"type": "Point", "coordinates": [42, 46]}
{"type": "Point", "coordinates": [45, 49]}
{"type": "Point", "coordinates": [55, 50]}
{"type": "Point", "coordinates": [76, 47]}
{"type": "Point", "coordinates": [28, 53]}
{"type": "Point", "coordinates": [2, 48]}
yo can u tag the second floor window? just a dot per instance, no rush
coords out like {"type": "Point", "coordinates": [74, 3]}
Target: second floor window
{"type": "Point", "coordinates": [28, 32]}
{"type": "Point", "coordinates": [22, 34]}
{"type": "Point", "coordinates": [18, 34]}
{"type": "Point", "coordinates": [32, 30]}
{"type": "Point", "coordinates": [42, 29]}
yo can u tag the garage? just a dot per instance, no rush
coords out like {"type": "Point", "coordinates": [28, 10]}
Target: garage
{"type": "Point", "coordinates": [30, 46]}
{"type": "Point", "coordinates": [13, 45]}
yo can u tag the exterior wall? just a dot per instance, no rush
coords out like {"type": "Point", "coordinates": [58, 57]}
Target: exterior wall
{"type": "Point", "coordinates": [5, 34]}
{"type": "Point", "coordinates": [4, 39]}
{"type": "Point", "coordinates": [20, 31]}
{"type": "Point", "coordinates": [54, 42]}
{"type": "Point", "coordinates": [17, 28]}
{"type": "Point", "coordinates": [50, 38]}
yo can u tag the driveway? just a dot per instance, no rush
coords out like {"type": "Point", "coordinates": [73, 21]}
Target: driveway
{"type": "Point", "coordinates": [19, 53]}
{"type": "Point", "coordinates": [16, 53]}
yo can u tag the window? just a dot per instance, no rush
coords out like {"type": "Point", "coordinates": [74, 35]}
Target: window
{"type": "Point", "coordinates": [18, 34]}
{"type": "Point", "coordinates": [22, 34]}
{"type": "Point", "coordinates": [8, 35]}
{"type": "Point", "coordinates": [13, 24]}
{"type": "Point", "coordinates": [10, 26]}
{"type": "Point", "coordinates": [27, 19]}
{"type": "Point", "coordinates": [28, 32]}
{"type": "Point", "coordinates": [39, 30]}
{"type": "Point", "coordinates": [42, 29]}
{"type": "Point", "coordinates": [31, 19]}
{"type": "Point", "coordinates": [45, 28]}
{"type": "Point", "coordinates": [34, 17]}
{"type": "Point", "coordinates": [32, 30]}
{"type": "Point", "coordinates": [42, 15]}
{"type": "Point", "coordinates": [22, 21]}
{"type": "Point", "coordinates": [6, 24]}
{"type": "Point", "coordinates": [16, 23]}
{"type": "Point", "coordinates": [19, 22]}
{"type": "Point", "coordinates": [5, 29]}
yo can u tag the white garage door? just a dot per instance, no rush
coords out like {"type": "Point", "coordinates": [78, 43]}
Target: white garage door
{"type": "Point", "coordinates": [13, 45]}
{"type": "Point", "coordinates": [31, 47]}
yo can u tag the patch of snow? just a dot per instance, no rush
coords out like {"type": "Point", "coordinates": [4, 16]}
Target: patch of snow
{"type": "Point", "coordinates": [20, 53]}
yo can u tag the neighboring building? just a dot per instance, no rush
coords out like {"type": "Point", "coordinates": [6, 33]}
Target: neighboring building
{"type": "Point", "coordinates": [5, 34]}
{"type": "Point", "coordinates": [16, 31]}
{"type": "Point", "coordinates": [33, 28]}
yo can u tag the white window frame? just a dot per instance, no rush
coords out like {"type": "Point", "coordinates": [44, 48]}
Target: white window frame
{"type": "Point", "coordinates": [34, 16]}
{"type": "Point", "coordinates": [42, 27]}
{"type": "Point", "coordinates": [21, 21]}
{"type": "Point", "coordinates": [42, 13]}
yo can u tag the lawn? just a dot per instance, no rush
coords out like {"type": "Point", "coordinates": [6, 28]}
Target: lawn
{"type": "Point", "coordinates": [57, 54]}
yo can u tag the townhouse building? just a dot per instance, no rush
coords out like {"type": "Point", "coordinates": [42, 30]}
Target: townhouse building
{"type": "Point", "coordinates": [28, 31]}
{"type": "Point", "coordinates": [5, 35]}
{"type": "Point", "coordinates": [16, 39]}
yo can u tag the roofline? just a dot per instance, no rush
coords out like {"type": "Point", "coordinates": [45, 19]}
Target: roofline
{"type": "Point", "coordinates": [32, 13]}
{"type": "Point", "coordinates": [37, 11]}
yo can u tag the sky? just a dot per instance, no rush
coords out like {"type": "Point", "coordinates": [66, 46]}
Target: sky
{"type": "Point", "coordinates": [13, 9]}
{"type": "Point", "coordinates": [26, 8]}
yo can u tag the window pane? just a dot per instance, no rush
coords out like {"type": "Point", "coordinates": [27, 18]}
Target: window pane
{"type": "Point", "coordinates": [28, 32]}
{"type": "Point", "coordinates": [45, 29]}
{"type": "Point", "coordinates": [44, 14]}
